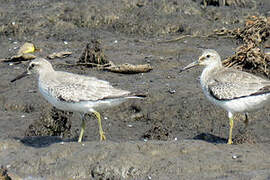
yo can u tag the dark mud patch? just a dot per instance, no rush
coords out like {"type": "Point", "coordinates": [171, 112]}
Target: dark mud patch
{"type": "Point", "coordinates": [158, 132]}
{"type": "Point", "coordinates": [52, 122]}
{"type": "Point", "coordinates": [245, 136]}
{"type": "Point", "coordinates": [210, 138]}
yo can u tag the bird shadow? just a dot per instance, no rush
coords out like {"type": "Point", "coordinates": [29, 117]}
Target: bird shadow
{"type": "Point", "coordinates": [210, 138]}
{"type": "Point", "coordinates": [42, 141]}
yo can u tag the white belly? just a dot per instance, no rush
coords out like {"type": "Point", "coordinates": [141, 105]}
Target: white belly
{"type": "Point", "coordinates": [245, 104]}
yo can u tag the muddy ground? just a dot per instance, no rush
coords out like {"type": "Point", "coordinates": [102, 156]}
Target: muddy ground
{"type": "Point", "coordinates": [174, 133]}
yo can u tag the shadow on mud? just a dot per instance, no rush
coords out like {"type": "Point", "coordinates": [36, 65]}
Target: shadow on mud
{"type": "Point", "coordinates": [210, 138]}
{"type": "Point", "coordinates": [43, 141]}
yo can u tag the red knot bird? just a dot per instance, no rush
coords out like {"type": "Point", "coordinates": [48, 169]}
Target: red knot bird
{"type": "Point", "coordinates": [75, 93]}
{"type": "Point", "coordinates": [233, 90]}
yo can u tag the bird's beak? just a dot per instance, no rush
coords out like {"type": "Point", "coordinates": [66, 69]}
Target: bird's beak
{"type": "Point", "coordinates": [191, 65]}
{"type": "Point", "coordinates": [26, 73]}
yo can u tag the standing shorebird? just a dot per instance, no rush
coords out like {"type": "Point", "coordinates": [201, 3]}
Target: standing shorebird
{"type": "Point", "coordinates": [75, 93]}
{"type": "Point", "coordinates": [233, 90]}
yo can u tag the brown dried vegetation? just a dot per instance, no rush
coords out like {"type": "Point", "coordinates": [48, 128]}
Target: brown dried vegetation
{"type": "Point", "coordinates": [250, 56]}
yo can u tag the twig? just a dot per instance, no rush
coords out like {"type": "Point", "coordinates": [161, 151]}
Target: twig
{"type": "Point", "coordinates": [86, 64]}
{"type": "Point", "coordinates": [184, 36]}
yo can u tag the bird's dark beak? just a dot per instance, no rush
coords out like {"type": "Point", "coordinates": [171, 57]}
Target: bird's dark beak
{"type": "Point", "coordinates": [191, 65]}
{"type": "Point", "coordinates": [20, 76]}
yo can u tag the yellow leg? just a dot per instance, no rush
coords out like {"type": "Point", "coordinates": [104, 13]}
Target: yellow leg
{"type": "Point", "coordinates": [101, 132]}
{"type": "Point", "coordinates": [82, 130]}
{"type": "Point", "coordinates": [204, 3]}
{"type": "Point", "coordinates": [231, 128]}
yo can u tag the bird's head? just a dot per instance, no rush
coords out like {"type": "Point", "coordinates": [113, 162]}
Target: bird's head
{"type": "Point", "coordinates": [208, 57]}
{"type": "Point", "coordinates": [37, 66]}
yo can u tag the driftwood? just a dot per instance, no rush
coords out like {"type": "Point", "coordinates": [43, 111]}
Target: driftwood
{"type": "Point", "coordinates": [122, 68]}
{"type": "Point", "coordinates": [61, 54]}
{"type": "Point", "coordinates": [129, 68]}
{"type": "Point", "coordinates": [19, 58]}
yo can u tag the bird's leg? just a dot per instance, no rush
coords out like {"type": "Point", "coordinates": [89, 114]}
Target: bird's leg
{"type": "Point", "coordinates": [231, 128]}
{"type": "Point", "coordinates": [204, 3]}
{"type": "Point", "coordinates": [82, 129]}
{"type": "Point", "coordinates": [246, 121]}
{"type": "Point", "coordinates": [101, 132]}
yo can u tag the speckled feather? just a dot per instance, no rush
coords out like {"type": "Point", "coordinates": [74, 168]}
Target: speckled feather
{"type": "Point", "coordinates": [75, 88]}
{"type": "Point", "coordinates": [228, 84]}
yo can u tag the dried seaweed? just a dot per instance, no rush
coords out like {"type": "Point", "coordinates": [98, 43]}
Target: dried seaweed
{"type": "Point", "coordinates": [93, 54]}
{"type": "Point", "coordinates": [249, 56]}
{"type": "Point", "coordinates": [256, 30]}
{"type": "Point", "coordinates": [61, 54]}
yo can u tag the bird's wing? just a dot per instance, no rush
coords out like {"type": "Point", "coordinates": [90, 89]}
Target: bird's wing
{"type": "Point", "coordinates": [233, 84]}
{"type": "Point", "coordinates": [74, 88]}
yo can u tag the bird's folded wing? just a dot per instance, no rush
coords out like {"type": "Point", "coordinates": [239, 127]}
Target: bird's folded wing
{"type": "Point", "coordinates": [233, 84]}
{"type": "Point", "coordinates": [76, 88]}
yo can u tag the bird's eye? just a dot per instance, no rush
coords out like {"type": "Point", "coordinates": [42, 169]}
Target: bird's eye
{"type": "Point", "coordinates": [208, 56]}
{"type": "Point", "coordinates": [31, 66]}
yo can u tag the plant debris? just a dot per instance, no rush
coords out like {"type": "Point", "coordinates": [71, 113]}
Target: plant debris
{"type": "Point", "coordinates": [250, 56]}
{"type": "Point", "coordinates": [256, 30]}
{"type": "Point", "coordinates": [93, 54]}
{"type": "Point", "coordinates": [129, 68]}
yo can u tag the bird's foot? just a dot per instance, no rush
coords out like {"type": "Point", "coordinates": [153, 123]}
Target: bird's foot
{"type": "Point", "coordinates": [102, 135]}
{"type": "Point", "coordinates": [229, 141]}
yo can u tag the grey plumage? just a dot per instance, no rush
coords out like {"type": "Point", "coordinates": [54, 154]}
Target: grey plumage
{"type": "Point", "coordinates": [75, 88]}
{"type": "Point", "coordinates": [228, 84]}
